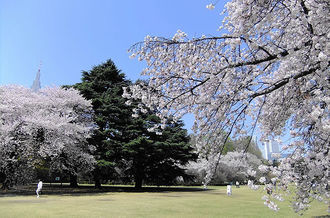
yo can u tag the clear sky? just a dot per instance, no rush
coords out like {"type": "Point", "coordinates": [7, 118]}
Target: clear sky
{"type": "Point", "coordinates": [69, 36]}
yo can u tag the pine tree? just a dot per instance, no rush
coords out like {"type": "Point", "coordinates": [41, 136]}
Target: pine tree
{"type": "Point", "coordinates": [103, 86]}
{"type": "Point", "coordinates": [156, 159]}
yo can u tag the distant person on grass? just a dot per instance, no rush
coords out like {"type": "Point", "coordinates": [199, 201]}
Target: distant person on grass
{"type": "Point", "coordinates": [39, 188]}
{"type": "Point", "coordinates": [229, 190]}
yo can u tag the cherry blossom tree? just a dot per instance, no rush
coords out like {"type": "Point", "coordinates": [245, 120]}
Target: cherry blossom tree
{"type": "Point", "coordinates": [239, 166]}
{"type": "Point", "coordinates": [50, 125]}
{"type": "Point", "coordinates": [268, 70]}
{"type": "Point", "coordinates": [233, 166]}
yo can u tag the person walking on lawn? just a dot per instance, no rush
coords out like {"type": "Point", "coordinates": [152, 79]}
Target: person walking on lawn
{"type": "Point", "coordinates": [39, 188]}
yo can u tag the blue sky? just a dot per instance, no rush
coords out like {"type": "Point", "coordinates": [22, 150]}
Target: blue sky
{"type": "Point", "coordinates": [69, 36]}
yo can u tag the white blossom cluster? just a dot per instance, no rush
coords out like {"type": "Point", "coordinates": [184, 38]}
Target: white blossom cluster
{"type": "Point", "coordinates": [270, 203]}
{"type": "Point", "coordinates": [210, 6]}
{"type": "Point", "coordinates": [271, 67]}
{"type": "Point", "coordinates": [309, 171]}
{"type": "Point", "coordinates": [51, 124]}
{"type": "Point", "coordinates": [240, 164]}
{"type": "Point", "coordinates": [232, 166]}
{"type": "Point", "coordinates": [251, 185]}
{"type": "Point", "coordinates": [262, 180]}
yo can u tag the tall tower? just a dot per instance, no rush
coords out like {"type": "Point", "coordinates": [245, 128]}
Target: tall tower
{"type": "Point", "coordinates": [266, 149]}
{"type": "Point", "coordinates": [275, 147]}
{"type": "Point", "coordinates": [36, 83]}
{"type": "Point", "coordinates": [270, 147]}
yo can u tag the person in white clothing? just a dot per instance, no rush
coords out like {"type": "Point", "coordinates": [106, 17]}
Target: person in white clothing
{"type": "Point", "coordinates": [39, 188]}
{"type": "Point", "coordinates": [229, 190]}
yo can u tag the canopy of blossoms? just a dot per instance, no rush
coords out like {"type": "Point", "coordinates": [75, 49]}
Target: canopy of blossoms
{"type": "Point", "coordinates": [52, 124]}
{"type": "Point", "coordinates": [271, 66]}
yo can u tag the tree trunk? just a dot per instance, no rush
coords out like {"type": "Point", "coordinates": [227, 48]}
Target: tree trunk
{"type": "Point", "coordinates": [73, 181]}
{"type": "Point", "coordinates": [138, 177]}
{"type": "Point", "coordinates": [138, 182]}
{"type": "Point", "coordinates": [4, 181]}
{"type": "Point", "coordinates": [97, 178]}
{"type": "Point", "coordinates": [5, 185]}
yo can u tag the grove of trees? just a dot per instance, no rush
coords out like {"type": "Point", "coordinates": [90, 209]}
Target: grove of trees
{"type": "Point", "coordinates": [125, 148]}
{"type": "Point", "coordinates": [57, 132]}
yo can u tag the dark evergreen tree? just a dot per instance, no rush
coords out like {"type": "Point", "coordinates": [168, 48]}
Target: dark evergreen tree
{"type": "Point", "coordinates": [156, 159]}
{"type": "Point", "coordinates": [172, 151]}
{"type": "Point", "coordinates": [103, 86]}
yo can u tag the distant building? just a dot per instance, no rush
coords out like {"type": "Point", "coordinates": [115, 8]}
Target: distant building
{"type": "Point", "coordinates": [36, 83]}
{"type": "Point", "coordinates": [270, 148]}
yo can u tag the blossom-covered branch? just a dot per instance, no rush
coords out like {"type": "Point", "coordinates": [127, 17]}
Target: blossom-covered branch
{"type": "Point", "coordinates": [273, 49]}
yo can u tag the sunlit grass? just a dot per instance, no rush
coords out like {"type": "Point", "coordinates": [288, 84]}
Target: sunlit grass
{"type": "Point", "coordinates": [212, 203]}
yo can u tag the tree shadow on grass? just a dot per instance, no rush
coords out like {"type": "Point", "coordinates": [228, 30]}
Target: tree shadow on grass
{"type": "Point", "coordinates": [90, 190]}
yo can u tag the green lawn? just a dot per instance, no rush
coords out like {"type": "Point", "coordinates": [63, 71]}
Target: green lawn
{"type": "Point", "coordinates": [166, 203]}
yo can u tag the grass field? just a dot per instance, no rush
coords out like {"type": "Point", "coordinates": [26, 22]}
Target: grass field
{"type": "Point", "coordinates": [149, 203]}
